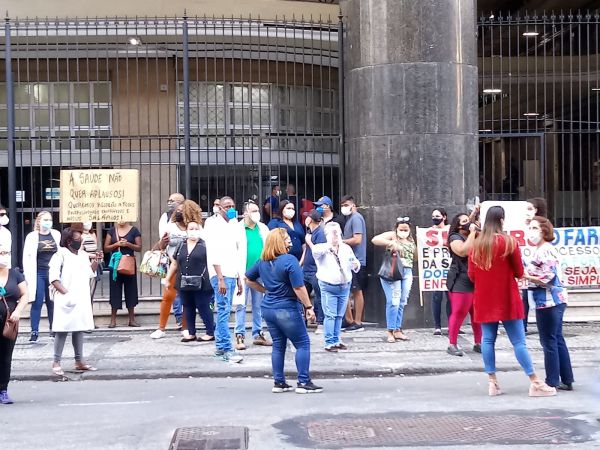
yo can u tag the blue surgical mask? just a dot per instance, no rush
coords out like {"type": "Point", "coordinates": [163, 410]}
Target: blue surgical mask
{"type": "Point", "coordinates": [231, 213]}
{"type": "Point", "coordinates": [320, 210]}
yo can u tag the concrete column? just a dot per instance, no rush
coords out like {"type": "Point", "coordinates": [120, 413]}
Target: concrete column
{"type": "Point", "coordinates": [411, 80]}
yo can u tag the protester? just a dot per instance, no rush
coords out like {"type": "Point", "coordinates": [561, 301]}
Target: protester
{"type": "Point", "coordinates": [439, 219]}
{"type": "Point", "coordinates": [173, 202]}
{"type": "Point", "coordinates": [39, 247]}
{"type": "Point", "coordinates": [325, 206]}
{"type": "Point", "coordinates": [355, 235]}
{"type": "Point", "coordinates": [550, 298]}
{"type": "Point", "coordinates": [314, 235]}
{"type": "Point", "coordinates": [189, 274]}
{"type": "Point", "coordinates": [70, 274]}
{"type": "Point", "coordinates": [289, 223]}
{"type": "Point", "coordinates": [5, 235]}
{"type": "Point", "coordinates": [290, 192]}
{"type": "Point", "coordinates": [494, 263]}
{"type": "Point", "coordinates": [253, 234]}
{"type": "Point", "coordinates": [461, 238]}
{"type": "Point", "coordinates": [401, 242]}
{"type": "Point", "coordinates": [271, 204]}
{"type": "Point", "coordinates": [535, 207]}
{"type": "Point", "coordinates": [125, 239]}
{"type": "Point", "coordinates": [13, 289]}
{"type": "Point", "coordinates": [335, 264]}
{"type": "Point", "coordinates": [283, 285]}
{"type": "Point", "coordinates": [175, 235]}
{"type": "Point", "coordinates": [223, 256]}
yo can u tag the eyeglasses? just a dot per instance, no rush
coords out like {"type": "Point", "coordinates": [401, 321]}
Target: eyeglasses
{"type": "Point", "coordinates": [3, 214]}
{"type": "Point", "coordinates": [405, 219]}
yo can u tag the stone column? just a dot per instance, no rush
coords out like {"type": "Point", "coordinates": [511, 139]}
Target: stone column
{"type": "Point", "coordinates": [411, 99]}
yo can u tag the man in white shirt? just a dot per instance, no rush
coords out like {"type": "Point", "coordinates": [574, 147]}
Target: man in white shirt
{"type": "Point", "coordinates": [223, 257]}
{"type": "Point", "coordinates": [5, 236]}
{"type": "Point", "coordinates": [173, 202]}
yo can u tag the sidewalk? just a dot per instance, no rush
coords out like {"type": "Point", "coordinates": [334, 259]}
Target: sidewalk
{"type": "Point", "coordinates": [127, 354]}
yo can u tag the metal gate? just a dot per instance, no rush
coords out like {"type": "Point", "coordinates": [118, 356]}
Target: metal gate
{"type": "Point", "coordinates": [539, 111]}
{"type": "Point", "coordinates": [205, 106]}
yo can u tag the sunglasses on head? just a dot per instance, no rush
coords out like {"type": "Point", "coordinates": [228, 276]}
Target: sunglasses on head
{"type": "Point", "coordinates": [405, 219]}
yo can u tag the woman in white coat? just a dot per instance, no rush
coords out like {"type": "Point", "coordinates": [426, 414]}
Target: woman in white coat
{"type": "Point", "coordinates": [70, 274]}
{"type": "Point", "coordinates": [40, 245]}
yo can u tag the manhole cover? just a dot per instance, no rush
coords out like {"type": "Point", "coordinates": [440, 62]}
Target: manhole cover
{"type": "Point", "coordinates": [438, 429]}
{"type": "Point", "coordinates": [210, 438]}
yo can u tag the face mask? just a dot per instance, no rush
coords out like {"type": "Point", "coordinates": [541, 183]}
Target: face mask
{"type": "Point", "coordinates": [277, 193]}
{"type": "Point", "coordinates": [76, 245]}
{"type": "Point", "coordinates": [46, 224]}
{"type": "Point", "coordinates": [255, 217]}
{"type": "Point", "coordinates": [193, 235]}
{"type": "Point", "coordinates": [466, 226]}
{"type": "Point", "coordinates": [231, 213]}
{"type": "Point", "coordinates": [4, 260]}
{"type": "Point", "coordinates": [320, 210]}
{"type": "Point", "coordinates": [346, 210]}
{"type": "Point", "coordinates": [289, 213]}
{"type": "Point", "coordinates": [4, 221]}
{"type": "Point", "coordinates": [171, 207]}
{"type": "Point", "coordinates": [216, 209]}
{"type": "Point", "coordinates": [87, 226]}
{"type": "Point", "coordinates": [534, 237]}
{"type": "Point", "coordinates": [403, 234]}
{"type": "Point", "coordinates": [178, 216]}
{"type": "Point", "coordinates": [437, 221]}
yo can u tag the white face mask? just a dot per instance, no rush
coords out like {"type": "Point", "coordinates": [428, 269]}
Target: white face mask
{"type": "Point", "coordinates": [346, 210]}
{"type": "Point", "coordinates": [216, 209]}
{"type": "Point", "coordinates": [289, 213]}
{"type": "Point", "coordinates": [4, 261]}
{"type": "Point", "coordinates": [46, 224]}
{"type": "Point", "coordinates": [4, 221]}
{"type": "Point", "coordinates": [534, 236]}
{"type": "Point", "coordinates": [87, 226]}
{"type": "Point", "coordinates": [255, 217]}
{"type": "Point", "coordinates": [403, 234]}
{"type": "Point", "coordinates": [193, 235]}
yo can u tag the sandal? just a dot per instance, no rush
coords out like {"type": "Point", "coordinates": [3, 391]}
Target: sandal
{"type": "Point", "coordinates": [400, 336]}
{"type": "Point", "coordinates": [206, 338]}
{"type": "Point", "coordinates": [391, 339]}
{"type": "Point", "coordinates": [57, 370]}
{"type": "Point", "coordinates": [112, 325]}
{"type": "Point", "coordinates": [85, 367]}
{"type": "Point", "coordinates": [494, 388]}
{"type": "Point", "coordinates": [134, 324]}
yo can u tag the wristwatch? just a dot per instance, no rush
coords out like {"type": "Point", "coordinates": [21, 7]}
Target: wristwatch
{"type": "Point", "coordinates": [308, 307]}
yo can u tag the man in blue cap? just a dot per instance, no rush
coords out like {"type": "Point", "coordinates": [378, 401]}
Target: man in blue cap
{"type": "Point", "coordinates": [325, 206]}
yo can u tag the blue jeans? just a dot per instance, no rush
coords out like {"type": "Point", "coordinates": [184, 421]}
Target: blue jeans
{"type": "Point", "coordinates": [516, 335]}
{"type": "Point", "coordinates": [200, 301]}
{"type": "Point", "coordinates": [284, 324]}
{"type": "Point", "coordinates": [396, 298]}
{"type": "Point", "coordinates": [240, 312]}
{"type": "Point", "coordinates": [436, 306]}
{"type": "Point", "coordinates": [178, 308]}
{"type": "Point", "coordinates": [312, 285]}
{"type": "Point", "coordinates": [556, 354]}
{"type": "Point", "coordinates": [41, 296]}
{"type": "Point", "coordinates": [335, 301]}
{"type": "Point", "coordinates": [222, 336]}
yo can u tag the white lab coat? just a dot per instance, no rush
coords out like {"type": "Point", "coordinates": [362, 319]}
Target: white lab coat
{"type": "Point", "coordinates": [30, 259]}
{"type": "Point", "coordinates": [243, 254]}
{"type": "Point", "coordinates": [73, 310]}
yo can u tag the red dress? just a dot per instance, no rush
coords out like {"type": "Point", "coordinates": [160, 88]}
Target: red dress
{"type": "Point", "coordinates": [497, 295]}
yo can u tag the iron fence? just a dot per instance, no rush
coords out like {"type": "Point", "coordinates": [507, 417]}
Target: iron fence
{"type": "Point", "coordinates": [539, 111]}
{"type": "Point", "coordinates": [205, 106]}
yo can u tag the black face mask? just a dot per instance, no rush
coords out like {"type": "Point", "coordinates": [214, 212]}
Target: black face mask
{"type": "Point", "coordinates": [75, 245]}
{"type": "Point", "coordinates": [437, 221]}
{"type": "Point", "coordinates": [178, 216]}
{"type": "Point", "coordinates": [466, 226]}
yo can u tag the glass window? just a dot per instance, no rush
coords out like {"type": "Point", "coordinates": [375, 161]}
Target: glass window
{"type": "Point", "coordinates": [22, 94]}
{"type": "Point", "coordinates": [41, 118]}
{"type": "Point", "coordinates": [40, 93]}
{"type": "Point", "coordinates": [62, 117]}
{"type": "Point", "coordinates": [101, 117]}
{"type": "Point", "coordinates": [82, 117]}
{"type": "Point", "coordinates": [101, 92]}
{"type": "Point", "coordinates": [22, 118]}
{"type": "Point", "coordinates": [61, 92]}
{"type": "Point", "coordinates": [81, 92]}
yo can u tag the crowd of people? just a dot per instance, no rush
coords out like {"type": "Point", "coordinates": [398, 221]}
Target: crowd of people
{"type": "Point", "coordinates": [274, 259]}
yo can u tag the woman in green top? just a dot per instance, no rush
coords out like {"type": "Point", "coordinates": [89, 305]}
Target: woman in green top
{"type": "Point", "coordinates": [396, 292]}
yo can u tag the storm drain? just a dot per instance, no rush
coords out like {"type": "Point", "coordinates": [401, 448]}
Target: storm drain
{"type": "Point", "coordinates": [210, 438]}
{"type": "Point", "coordinates": [435, 429]}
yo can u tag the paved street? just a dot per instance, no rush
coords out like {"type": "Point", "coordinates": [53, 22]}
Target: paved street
{"type": "Point", "coordinates": [125, 354]}
{"type": "Point", "coordinates": [143, 414]}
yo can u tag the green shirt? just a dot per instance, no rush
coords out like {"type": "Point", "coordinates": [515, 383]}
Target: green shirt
{"type": "Point", "coordinates": [254, 245]}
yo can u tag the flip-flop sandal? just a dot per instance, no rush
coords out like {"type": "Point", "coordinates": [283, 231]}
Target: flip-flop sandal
{"type": "Point", "coordinates": [391, 340]}
{"type": "Point", "coordinates": [58, 371]}
{"type": "Point", "coordinates": [86, 367]}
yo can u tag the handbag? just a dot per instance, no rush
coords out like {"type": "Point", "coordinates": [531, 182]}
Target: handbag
{"type": "Point", "coordinates": [11, 327]}
{"type": "Point", "coordinates": [155, 263]}
{"type": "Point", "coordinates": [192, 282]}
{"type": "Point", "coordinates": [391, 268]}
{"type": "Point", "coordinates": [126, 265]}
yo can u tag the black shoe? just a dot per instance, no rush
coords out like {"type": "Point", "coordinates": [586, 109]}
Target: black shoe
{"type": "Point", "coordinates": [279, 388]}
{"type": "Point", "coordinates": [341, 346]}
{"type": "Point", "coordinates": [33, 337]}
{"type": "Point", "coordinates": [308, 388]}
{"type": "Point", "coordinates": [333, 349]}
{"type": "Point", "coordinates": [354, 328]}
{"type": "Point", "coordinates": [345, 324]}
{"type": "Point", "coordinates": [565, 387]}
{"type": "Point", "coordinates": [477, 348]}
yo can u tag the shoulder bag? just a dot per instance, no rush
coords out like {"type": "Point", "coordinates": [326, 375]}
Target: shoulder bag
{"type": "Point", "coordinates": [391, 268]}
{"type": "Point", "coordinates": [126, 265]}
{"type": "Point", "coordinates": [11, 327]}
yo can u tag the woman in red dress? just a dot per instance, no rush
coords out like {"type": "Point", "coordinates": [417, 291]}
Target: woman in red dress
{"type": "Point", "coordinates": [494, 263]}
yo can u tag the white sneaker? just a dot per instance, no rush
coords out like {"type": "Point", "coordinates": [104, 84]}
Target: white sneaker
{"type": "Point", "coordinates": [158, 334]}
{"type": "Point", "coordinates": [185, 333]}
{"type": "Point", "coordinates": [319, 329]}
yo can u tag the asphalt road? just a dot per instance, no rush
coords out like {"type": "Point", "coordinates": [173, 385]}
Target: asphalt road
{"type": "Point", "coordinates": [143, 414]}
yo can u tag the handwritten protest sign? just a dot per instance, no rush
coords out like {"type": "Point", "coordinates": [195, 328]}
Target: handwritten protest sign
{"type": "Point", "coordinates": [99, 195]}
{"type": "Point", "coordinates": [578, 249]}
